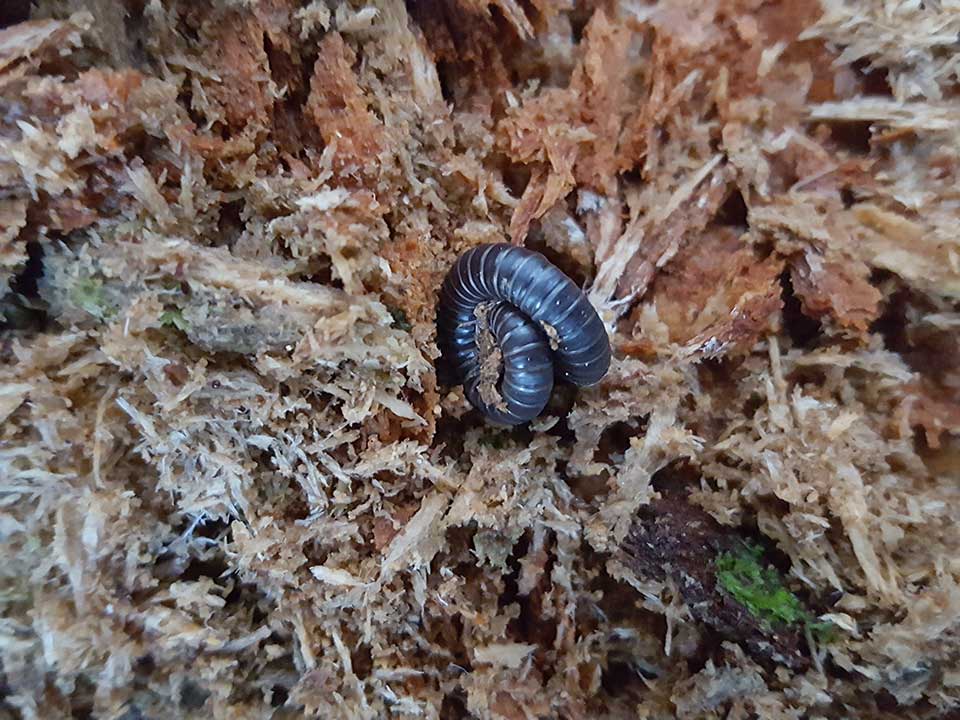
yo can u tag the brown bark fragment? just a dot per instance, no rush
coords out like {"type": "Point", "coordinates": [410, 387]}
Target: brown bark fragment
{"type": "Point", "coordinates": [662, 238]}
{"type": "Point", "coordinates": [838, 290]}
{"type": "Point", "coordinates": [571, 133]}
{"type": "Point", "coordinates": [339, 109]}
{"type": "Point", "coordinates": [671, 538]}
{"type": "Point", "coordinates": [933, 411]}
{"type": "Point", "coordinates": [716, 295]}
{"type": "Point", "coordinates": [236, 55]}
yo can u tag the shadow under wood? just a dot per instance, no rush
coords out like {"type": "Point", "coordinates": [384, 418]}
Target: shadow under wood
{"type": "Point", "coordinates": [672, 538]}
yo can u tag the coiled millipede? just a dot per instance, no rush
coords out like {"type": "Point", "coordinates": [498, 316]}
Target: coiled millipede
{"type": "Point", "coordinates": [509, 322]}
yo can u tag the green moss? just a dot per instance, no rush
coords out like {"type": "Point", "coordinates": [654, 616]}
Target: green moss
{"type": "Point", "coordinates": [174, 318]}
{"type": "Point", "coordinates": [88, 295]}
{"type": "Point", "coordinates": [760, 589]}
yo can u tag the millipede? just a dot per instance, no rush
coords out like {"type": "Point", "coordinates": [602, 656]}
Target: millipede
{"type": "Point", "coordinates": [511, 321]}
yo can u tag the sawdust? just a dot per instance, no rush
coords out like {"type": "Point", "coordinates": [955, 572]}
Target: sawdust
{"type": "Point", "coordinates": [231, 483]}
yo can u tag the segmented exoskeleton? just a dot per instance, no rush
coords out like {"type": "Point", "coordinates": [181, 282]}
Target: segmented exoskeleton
{"type": "Point", "coordinates": [541, 321]}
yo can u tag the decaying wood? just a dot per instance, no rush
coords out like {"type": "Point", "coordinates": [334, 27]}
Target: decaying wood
{"type": "Point", "coordinates": [231, 482]}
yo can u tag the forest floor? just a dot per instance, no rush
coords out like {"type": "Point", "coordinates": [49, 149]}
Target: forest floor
{"type": "Point", "coordinates": [231, 484]}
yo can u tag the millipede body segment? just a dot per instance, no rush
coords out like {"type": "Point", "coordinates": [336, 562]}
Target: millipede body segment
{"type": "Point", "coordinates": [541, 322]}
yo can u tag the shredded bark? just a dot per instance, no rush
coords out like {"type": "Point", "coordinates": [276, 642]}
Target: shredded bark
{"type": "Point", "coordinates": [231, 482]}
{"type": "Point", "coordinates": [841, 291]}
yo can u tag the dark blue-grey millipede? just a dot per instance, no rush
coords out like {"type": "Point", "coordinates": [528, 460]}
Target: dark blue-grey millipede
{"type": "Point", "coordinates": [541, 321]}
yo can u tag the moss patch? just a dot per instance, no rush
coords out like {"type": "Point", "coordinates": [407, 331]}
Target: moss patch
{"type": "Point", "coordinates": [88, 295]}
{"type": "Point", "coordinates": [174, 318]}
{"type": "Point", "coordinates": [760, 589]}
